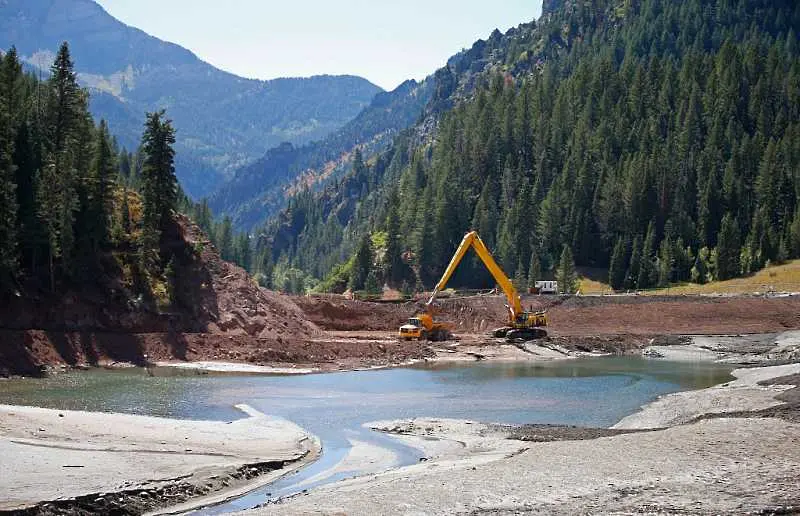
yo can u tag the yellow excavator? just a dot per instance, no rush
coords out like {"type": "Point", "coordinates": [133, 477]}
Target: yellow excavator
{"type": "Point", "coordinates": [522, 325]}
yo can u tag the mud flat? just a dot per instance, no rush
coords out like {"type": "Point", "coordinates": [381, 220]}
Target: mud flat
{"type": "Point", "coordinates": [66, 462]}
{"type": "Point", "coordinates": [733, 449]}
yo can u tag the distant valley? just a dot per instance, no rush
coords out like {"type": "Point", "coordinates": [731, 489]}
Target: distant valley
{"type": "Point", "coordinates": [224, 122]}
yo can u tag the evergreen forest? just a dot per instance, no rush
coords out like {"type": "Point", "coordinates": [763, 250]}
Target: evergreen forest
{"type": "Point", "coordinates": [75, 210]}
{"type": "Point", "coordinates": [659, 140]}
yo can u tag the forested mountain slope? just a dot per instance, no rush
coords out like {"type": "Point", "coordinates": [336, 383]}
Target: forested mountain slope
{"type": "Point", "coordinates": [223, 121]}
{"type": "Point", "coordinates": [259, 190]}
{"type": "Point", "coordinates": [660, 139]}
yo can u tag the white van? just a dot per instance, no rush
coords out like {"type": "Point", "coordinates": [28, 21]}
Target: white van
{"type": "Point", "coordinates": [546, 287]}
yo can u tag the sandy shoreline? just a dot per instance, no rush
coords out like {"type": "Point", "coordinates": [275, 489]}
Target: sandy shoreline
{"type": "Point", "coordinates": [99, 462]}
{"type": "Point", "coordinates": [728, 459]}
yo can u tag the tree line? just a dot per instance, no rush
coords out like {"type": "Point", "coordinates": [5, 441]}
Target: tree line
{"type": "Point", "coordinates": [74, 208]}
{"type": "Point", "coordinates": [659, 140]}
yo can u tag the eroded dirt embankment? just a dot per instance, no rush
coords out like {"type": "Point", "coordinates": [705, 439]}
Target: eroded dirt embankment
{"type": "Point", "coordinates": [218, 312]}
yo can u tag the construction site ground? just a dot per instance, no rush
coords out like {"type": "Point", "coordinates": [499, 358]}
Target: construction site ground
{"type": "Point", "coordinates": [221, 315]}
{"type": "Point", "coordinates": [336, 333]}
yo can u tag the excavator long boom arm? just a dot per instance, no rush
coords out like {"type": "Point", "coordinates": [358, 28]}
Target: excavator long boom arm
{"type": "Point", "coordinates": [473, 240]}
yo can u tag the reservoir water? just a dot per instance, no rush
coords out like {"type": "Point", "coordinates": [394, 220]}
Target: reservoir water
{"type": "Point", "coordinates": [594, 392]}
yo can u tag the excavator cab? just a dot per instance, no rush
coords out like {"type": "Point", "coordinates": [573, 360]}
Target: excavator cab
{"type": "Point", "coordinates": [531, 320]}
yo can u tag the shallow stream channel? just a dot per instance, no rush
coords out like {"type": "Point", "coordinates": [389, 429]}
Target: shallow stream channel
{"type": "Point", "coordinates": [590, 392]}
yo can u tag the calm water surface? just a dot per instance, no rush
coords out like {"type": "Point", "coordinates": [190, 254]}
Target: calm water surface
{"type": "Point", "coordinates": [584, 392]}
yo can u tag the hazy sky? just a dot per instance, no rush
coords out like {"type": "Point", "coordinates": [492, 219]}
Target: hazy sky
{"type": "Point", "coordinates": [386, 42]}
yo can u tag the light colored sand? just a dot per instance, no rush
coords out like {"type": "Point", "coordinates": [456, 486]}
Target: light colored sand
{"type": "Point", "coordinates": [729, 465]}
{"type": "Point", "coordinates": [682, 353]}
{"type": "Point", "coordinates": [51, 454]}
{"type": "Point", "coordinates": [733, 349]}
{"type": "Point", "coordinates": [364, 458]}
{"type": "Point", "coordinates": [497, 351]}
{"type": "Point", "coordinates": [447, 438]}
{"type": "Point", "coordinates": [235, 368]}
{"type": "Point", "coordinates": [743, 394]}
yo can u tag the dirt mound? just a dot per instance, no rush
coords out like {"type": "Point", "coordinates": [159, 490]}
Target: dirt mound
{"type": "Point", "coordinates": [219, 297]}
{"type": "Point", "coordinates": [105, 322]}
{"type": "Point", "coordinates": [675, 316]}
{"type": "Point", "coordinates": [335, 313]}
{"type": "Point", "coordinates": [211, 295]}
{"type": "Point", "coordinates": [339, 314]}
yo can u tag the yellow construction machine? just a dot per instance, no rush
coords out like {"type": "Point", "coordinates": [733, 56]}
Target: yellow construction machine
{"type": "Point", "coordinates": [423, 327]}
{"type": "Point", "coordinates": [522, 325]}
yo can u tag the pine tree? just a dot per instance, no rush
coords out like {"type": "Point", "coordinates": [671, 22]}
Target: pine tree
{"type": "Point", "coordinates": [395, 268]}
{"type": "Point", "coordinates": [244, 256]}
{"type": "Point", "coordinates": [104, 176]}
{"type": "Point", "coordinates": [566, 276]}
{"type": "Point", "coordinates": [648, 274]}
{"type": "Point", "coordinates": [632, 274]}
{"type": "Point", "coordinates": [362, 264]}
{"type": "Point", "coordinates": [9, 255]}
{"type": "Point", "coordinates": [204, 218]}
{"type": "Point", "coordinates": [618, 267]}
{"type": "Point", "coordinates": [57, 197]}
{"type": "Point", "coordinates": [520, 281]}
{"type": "Point", "coordinates": [728, 249]}
{"type": "Point", "coordinates": [666, 262]}
{"type": "Point", "coordinates": [225, 239]}
{"type": "Point", "coordinates": [48, 202]}
{"type": "Point", "coordinates": [159, 184]}
{"type": "Point", "coordinates": [29, 228]}
{"type": "Point", "coordinates": [794, 233]}
{"type": "Point", "coordinates": [266, 268]}
{"type": "Point", "coordinates": [534, 269]}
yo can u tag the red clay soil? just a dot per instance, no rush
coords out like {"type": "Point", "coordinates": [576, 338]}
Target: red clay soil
{"type": "Point", "coordinates": [576, 316]}
{"type": "Point", "coordinates": [670, 316]}
{"type": "Point", "coordinates": [103, 323]}
{"type": "Point", "coordinates": [27, 352]}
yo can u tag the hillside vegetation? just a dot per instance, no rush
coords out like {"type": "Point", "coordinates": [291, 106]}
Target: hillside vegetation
{"type": "Point", "coordinates": [660, 140]}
